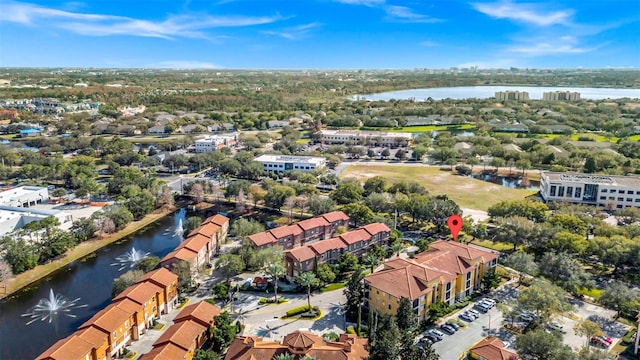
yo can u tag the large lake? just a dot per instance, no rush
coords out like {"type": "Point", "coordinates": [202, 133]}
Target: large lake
{"type": "Point", "coordinates": [484, 92]}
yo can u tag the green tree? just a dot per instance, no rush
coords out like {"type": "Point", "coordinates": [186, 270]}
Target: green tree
{"type": "Point", "coordinates": [183, 270]}
{"type": "Point", "coordinates": [371, 260]}
{"type": "Point", "coordinates": [208, 354]}
{"type": "Point", "coordinates": [386, 343]}
{"type": "Point", "coordinates": [515, 230]}
{"type": "Point", "coordinates": [230, 265]}
{"type": "Point", "coordinates": [376, 184]}
{"type": "Point", "coordinates": [544, 299]}
{"type": "Point", "coordinates": [223, 332]}
{"type": "Point", "coordinates": [245, 227]}
{"type": "Point", "coordinates": [318, 205]}
{"type": "Point", "coordinates": [565, 272]}
{"type": "Point", "coordinates": [120, 215]}
{"type": "Point", "coordinates": [325, 273]}
{"type": "Point", "coordinates": [491, 280]}
{"type": "Point", "coordinates": [277, 195]}
{"type": "Point", "coordinates": [354, 292]}
{"type": "Point", "coordinates": [307, 280]}
{"type": "Point", "coordinates": [83, 229]}
{"type": "Point", "coordinates": [147, 264]}
{"type": "Point", "coordinates": [284, 356]}
{"type": "Point", "coordinates": [348, 262]}
{"type": "Point", "coordinates": [124, 281]}
{"type": "Point", "coordinates": [540, 345]}
{"type": "Point", "coordinates": [588, 329]}
{"type": "Point", "coordinates": [359, 214]}
{"type": "Point", "coordinates": [620, 298]}
{"type": "Point", "coordinates": [192, 223]}
{"type": "Point", "coordinates": [21, 255]}
{"type": "Point", "coordinates": [523, 263]}
{"type": "Point", "coordinates": [532, 210]}
{"type": "Point", "coordinates": [379, 202]}
{"type": "Point", "coordinates": [348, 191]}
{"type": "Point", "coordinates": [406, 318]}
{"type": "Point", "coordinates": [275, 270]}
{"type": "Point", "coordinates": [141, 205]}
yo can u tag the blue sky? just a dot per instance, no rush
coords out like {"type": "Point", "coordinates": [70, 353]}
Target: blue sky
{"type": "Point", "coordinates": [328, 34]}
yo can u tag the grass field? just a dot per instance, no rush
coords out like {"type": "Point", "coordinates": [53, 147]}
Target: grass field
{"type": "Point", "coordinates": [466, 192]}
{"type": "Point", "coordinates": [425, 128]}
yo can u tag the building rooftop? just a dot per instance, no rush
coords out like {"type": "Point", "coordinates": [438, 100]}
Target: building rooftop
{"type": "Point", "coordinates": [611, 180]}
{"type": "Point", "coordinates": [163, 352]}
{"type": "Point", "coordinates": [290, 158]}
{"type": "Point", "coordinates": [182, 334]}
{"type": "Point", "coordinates": [201, 312]}
{"type": "Point", "coordinates": [492, 348]}
{"type": "Point", "coordinates": [368, 133]}
{"type": "Point", "coordinates": [161, 276]}
{"type": "Point", "coordinates": [10, 195]}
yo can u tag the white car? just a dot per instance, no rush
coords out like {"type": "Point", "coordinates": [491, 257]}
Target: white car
{"type": "Point", "coordinates": [474, 312]}
{"type": "Point", "coordinates": [554, 325]}
{"type": "Point", "coordinates": [526, 316]}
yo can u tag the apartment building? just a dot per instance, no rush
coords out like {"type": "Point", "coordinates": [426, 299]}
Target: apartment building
{"type": "Point", "coordinates": [608, 191]}
{"type": "Point", "coordinates": [282, 163]}
{"type": "Point", "coordinates": [511, 95]}
{"type": "Point", "coordinates": [561, 95]}
{"type": "Point", "coordinates": [190, 330]}
{"type": "Point", "coordinates": [200, 245]}
{"type": "Point", "coordinates": [299, 343]}
{"type": "Point", "coordinates": [123, 321]}
{"type": "Point", "coordinates": [364, 137]}
{"type": "Point", "coordinates": [357, 242]}
{"type": "Point", "coordinates": [304, 232]}
{"type": "Point", "coordinates": [446, 272]}
{"type": "Point", "coordinates": [215, 142]}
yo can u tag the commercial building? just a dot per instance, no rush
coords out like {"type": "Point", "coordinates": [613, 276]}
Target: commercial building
{"type": "Point", "coordinates": [357, 242]}
{"type": "Point", "coordinates": [511, 95]}
{"type": "Point", "coordinates": [608, 191]}
{"type": "Point", "coordinates": [282, 163]}
{"type": "Point", "coordinates": [299, 343]}
{"type": "Point", "coordinates": [304, 232]}
{"type": "Point", "coordinates": [24, 196]}
{"type": "Point", "coordinates": [200, 245]}
{"type": "Point", "coordinates": [14, 218]}
{"type": "Point", "coordinates": [561, 95]}
{"type": "Point", "coordinates": [363, 137]}
{"type": "Point", "coordinates": [214, 142]}
{"type": "Point", "coordinates": [446, 272]}
{"type": "Point", "coordinates": [123, 321]}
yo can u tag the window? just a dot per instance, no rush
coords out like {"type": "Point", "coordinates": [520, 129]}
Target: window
{"type": "Point", "coordinates": [569, 191]}
{"type": "Point", "coordinates": [629, 199]}
{"type": "Point", "coordinates": [115, 334]}
{"type": "Point", "coordinates": [620, 199]}
{"type": "Point", "coordinates": [126, 324]}
{"type": "Point", "coordinates": [604, 190]}
{"type": "Point", "coordinates": [612, 197]}
{"type": "Point", "coordinates": [603, 198]}
{"type": "Point", "coordinates": [613, 191]}
{"type": "Point", "coordinates": [637, 200]}
{"type": "Point", "coordinates": [552, 191]}
{"type": "Point", "coordinates": [468, 282]}
{"type": "Point", "coordinates": [578, 192]}
{"type": "Point", "coordinates": [560, 191]}
{"type": "Point", "coordinates": [630, 192]}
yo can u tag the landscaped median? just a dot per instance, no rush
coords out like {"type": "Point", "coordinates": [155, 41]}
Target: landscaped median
{"type": "Point", "coordinates": [303, 312]}
{"type": "Point", "coordinates": [82, 250]}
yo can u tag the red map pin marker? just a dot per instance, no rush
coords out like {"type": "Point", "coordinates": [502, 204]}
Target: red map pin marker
{"type": "Point", "coordinates": [455, 224]}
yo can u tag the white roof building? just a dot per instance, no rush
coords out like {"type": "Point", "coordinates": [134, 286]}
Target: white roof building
{"type": "Point", "coordinates": [213, 142]}
{"type": "Point", "coordinates": [282, 163]}
{"type": "Point", "coordinates": [362, 137]}
{"type": "Point", "coordinates": [13, 218]}
{"type": "Point", "coordinates": [24, 196]}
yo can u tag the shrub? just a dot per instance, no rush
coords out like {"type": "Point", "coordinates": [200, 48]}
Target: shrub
{"type": "Point", "coordinates": [332, 336]}
{"type": "Point", "coordinates": [221, 291]}
{"type": "Point", "coordinates": [298, 310]}
{"type": "Point", "coordinates": [351, 330]}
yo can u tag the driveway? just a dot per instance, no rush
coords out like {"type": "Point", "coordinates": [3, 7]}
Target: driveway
{"type": "Point", "coordinates": [613, 329]}
{"type": "Point", "coordinates": [488, 324]}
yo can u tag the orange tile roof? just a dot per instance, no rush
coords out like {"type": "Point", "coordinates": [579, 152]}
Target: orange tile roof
{"type": "Point", "coordinates": [302, 253]}
{"type": "Point", "coordinates": [493, 349]}
{"type": "Point", "coordinates": [181, 254]}
{"type": "Point", "coordinates": [324, 246]}
{"type": "Point", "coordinates": [202, 312]}
{"type": "Point", "coordinates": [335, 216]}
{"type": "Point", "coordinates": [218, 219]}
{"type": "Point", "coordinates": [376, 228]}
{"type": "Point", "coordinates": [313, 223]}
{"type": "Point", "coordinates": [206, 229]}
{"type": "Point", "coordinates": [93, 336]}
{"type": "Point", "coordinates": [465, 251]}
{"type": "Point", "coordinates": [108, 319]}
{"type": "Point", "coordinates": [182, 334]}
{"type": "Point", "coordinates": [254, 348]}
{"type": "Point", "coordinates": [284, 231]}
{"type": "Point", "coordinates": [399, 283]}
{"type": "Point", "coordinates": [195, 242]}
{"type": "Point", "coordinates": [128, 305]}
{"type": "Point", "coordinates": [355, 236]}
{"type": "Point", "coordinates": [140, 292]}
{"type": "Point", "coordinates": [161, 276]}
{"type": "Point", "coordinates": [71, 347]}
{"type": "Point", "coordinates": [164, 352]}
{"type": "Point", "coordinates": [262, 238]}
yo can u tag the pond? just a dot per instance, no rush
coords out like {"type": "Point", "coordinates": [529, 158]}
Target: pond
{"type": "Point", "coordinates": [513, 182]}
{"type": "Point", "coordinates": [89, 281]}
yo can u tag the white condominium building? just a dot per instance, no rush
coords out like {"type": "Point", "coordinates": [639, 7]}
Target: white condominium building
{"type": "Point", "coordinates": [213, 142]}
{"type": "Point", "coordinates": [362, 137]}
{"type": "Point", "coordinates": [608, 191]}
{"type": "Point", "coordinates": [511, 95]}
{"type": "Point", "coordinates": [561, 95]}
{"type": "Point", "coordinates": [282, 163]}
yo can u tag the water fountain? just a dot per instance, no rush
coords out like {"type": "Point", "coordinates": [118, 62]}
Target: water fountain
{"type": "Point", "coordinates": [178, 232]}
{"type": "Point", "coordinates": [130, 258]}
{"type": "Point", "coordinates": [49, 308]}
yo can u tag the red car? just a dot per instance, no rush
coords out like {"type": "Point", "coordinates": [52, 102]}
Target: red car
{"type": "Point", "coordinates": [600, 341]}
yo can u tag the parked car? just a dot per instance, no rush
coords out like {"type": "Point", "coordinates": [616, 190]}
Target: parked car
{"type": "Point", "coordinates": [474, 312]}
{"type": "Point", "coordinates": [488, 302]}
{"type": "Point", "coordinates": [425, 341]}
{"type": "Point", "coordinates": [483, 307]}
{"type": "Point", "coordinates": [526, 316]}
{"type": "Point", "coordinates": [432, 338]}
{"type": "Point", "coordinates": [448, 329]}
{"type": "Point", "coordinates": [599, 342]}
{"type": "Point", "coordinates": [554, 325]}
{"type": "Point", "coordinates": [437, 332]}
{"type": "Point", "coordinates": [467, 317]}
{"type": "Point", "coordinates": [455, 326]}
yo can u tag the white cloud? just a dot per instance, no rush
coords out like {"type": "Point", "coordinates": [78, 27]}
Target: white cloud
{"type": "Point", "coordinates": [103, 25]}
{"type": "Point", "coordinates": [405, 14]}
{"type": "Point", "coordinates": [428, 43]}
{"type": "Point", "coordinates": [527, 13]}
{"type": "Point", "coordinates": [184, 64]}
{"type": "Point", "coordinates": [369, 3]}
{"type": "Point", "coordinates": [293, 33]}
{"type": "Point", "coordinates": [547, 48]}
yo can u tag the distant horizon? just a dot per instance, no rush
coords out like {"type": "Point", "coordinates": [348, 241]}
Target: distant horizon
{"type": "Point", "coordinates": [632, 68]}
{"type": "Point", "coordinates": [320, 34]}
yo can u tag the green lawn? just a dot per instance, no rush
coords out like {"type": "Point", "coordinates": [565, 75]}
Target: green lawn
{"type": "Point", "coordinates": [331, 287]}
{"type": "Point", "coordinates": [425, 128]}
{"type": "Point", "coordinates": [576, 137]}
{"type": "Point", "coordinates": [466, 192]}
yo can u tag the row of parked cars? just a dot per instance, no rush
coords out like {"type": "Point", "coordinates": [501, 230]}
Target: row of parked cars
{"type": "Point", "coordinates": [450, 327]}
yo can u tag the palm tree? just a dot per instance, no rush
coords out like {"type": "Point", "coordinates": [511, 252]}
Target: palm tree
{"type": "Point", "coordinates": [371, 260]}
{"type": "Point", "coordinates": [275, 271]}
{"type": "Point", "coordinates": [284, 356]}
{"type": "Point", "coordinates": [307, 279]}
{"type": "Point", "coordinates": [397, 247]}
